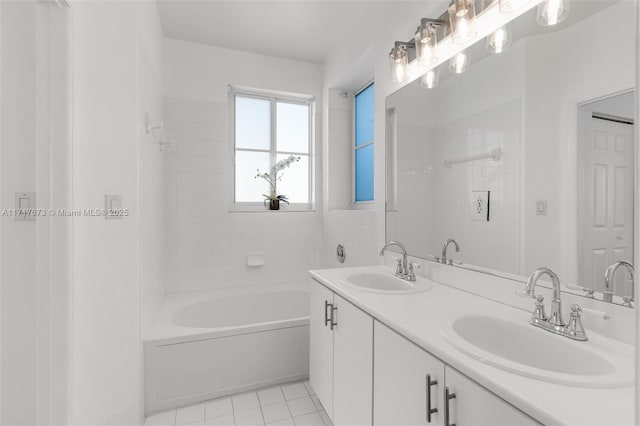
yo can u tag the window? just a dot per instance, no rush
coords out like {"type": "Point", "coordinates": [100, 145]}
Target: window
{"type": "Point", "coordinates": [363, 147]}
{"type": "Point", "coordinates": [267, 129]}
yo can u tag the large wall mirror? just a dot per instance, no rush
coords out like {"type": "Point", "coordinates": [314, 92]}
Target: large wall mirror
{"type": "Point", "coordinates": [527, 158]}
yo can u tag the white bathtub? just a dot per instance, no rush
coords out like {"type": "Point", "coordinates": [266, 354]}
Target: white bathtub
{"type": "Point", "coordinates": [203, 345]}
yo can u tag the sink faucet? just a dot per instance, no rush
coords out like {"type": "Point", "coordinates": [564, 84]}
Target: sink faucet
{"type": "Point", "coordinates": [607, 294]}
{"type": "Point", "coordinates": [554, 322]}
{"type": "Point", "coordinates": [443, 258]}
{"type": "Point", "coordinates": [402, 271]}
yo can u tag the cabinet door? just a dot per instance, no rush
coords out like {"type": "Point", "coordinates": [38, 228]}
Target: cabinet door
{"type": "Point", "coordinates": [321, 345]}
{"type": "Point", "coordinates": [352, 365]}
{"type": "Point", "coordinates": [474, 405]}
{"type": "Point", "coordinates": [400, 370]}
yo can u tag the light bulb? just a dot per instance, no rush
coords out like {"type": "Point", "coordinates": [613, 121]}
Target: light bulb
{"type": "Point", "coordinates": [399, 63]}
{"type": "Point", "coordinates": [461, 18]}
{"type": "Point", "coordinates": [426, 42]}
{"type": "Point", "coordinates": [499, 41]}
{"type": "Point", "coordinates": [430, 79]}
{"type": "Point", "coordinates": [552, 12]}
{"type": "Point", "coordinates": [508, 6]}
{"type": "Point", "coordinates": [459, 63]}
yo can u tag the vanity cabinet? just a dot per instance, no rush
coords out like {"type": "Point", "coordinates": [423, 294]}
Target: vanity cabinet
{"type": "Point", "coordinates": [409, 382]}
{"type": "Point", "coordinates": [341, 365]}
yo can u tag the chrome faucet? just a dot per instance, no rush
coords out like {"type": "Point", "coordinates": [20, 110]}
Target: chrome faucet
{"type": "Point", "coordinates": [403, 270]}
{"type": "Point", "coordinates": [607, 294]}
{"type": "Point", "coordinates": [443, 258]}
{"type": "Point", "coordinates": [554, 323]}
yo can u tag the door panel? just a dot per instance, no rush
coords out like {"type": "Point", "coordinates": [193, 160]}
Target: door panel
{"type": "Point", "coordinates": [321, 346]}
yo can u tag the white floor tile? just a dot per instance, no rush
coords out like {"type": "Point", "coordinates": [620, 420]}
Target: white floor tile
{"type": "Point", "coordinates": [301, 406]}
{"type": "Point", "coordinates": [275, 412]}
{"type": "Point", "coordinates": [217, 408]}
{"type": "Point", "coordinates": [198, 423]}
{"type": "Point", "coordinates": [250, 417]}
{"type": "Point", "coordinates": [325, 417]}
{"type": "Point", "coordinates": [309, 388]}
{"type": "Point", "coordinates": [226, 420]}
{"type": "Point", "coordinates": [312, 419]}
{"type": "Point", "coordinates": [294, 390]}
{"type": "Point", "coordinates": [287, 422]}
{"type": "Point", "coordinates": [168, 418]}
{"type": "Point", "coordinates": [190, 414]}
{"type": "Point", "coordinates": [270, 396]}
{"type": "Point", "coordinates": [317, 402]}
{"type": "Point", "coordinates": [245, 401]}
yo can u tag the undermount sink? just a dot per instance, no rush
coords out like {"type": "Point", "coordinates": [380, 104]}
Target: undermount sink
{"type": "Point", "coordinates": [383, 283]}
{"type": "Point", "coordinates": [529, 351]}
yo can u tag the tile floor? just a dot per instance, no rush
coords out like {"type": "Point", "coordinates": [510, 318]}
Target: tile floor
{"type": "Point", "coordinates": [293, 404]}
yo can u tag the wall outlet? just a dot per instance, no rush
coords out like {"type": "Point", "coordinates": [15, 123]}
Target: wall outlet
{"type": "Point", "coordinates": [541, 208]}
{"type": "Point", "coordinates": [480, 202]}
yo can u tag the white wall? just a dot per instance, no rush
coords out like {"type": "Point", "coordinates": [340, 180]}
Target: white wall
{"type": "Point", "coordinates": [18, 249]}
{"type": "Point", "coordinates": [207, 244]}
{"type": "Point", "coordinates": [116, 283]}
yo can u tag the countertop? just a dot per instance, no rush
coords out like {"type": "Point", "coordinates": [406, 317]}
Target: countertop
{"type": "Point", "coordinates": [417, 317]}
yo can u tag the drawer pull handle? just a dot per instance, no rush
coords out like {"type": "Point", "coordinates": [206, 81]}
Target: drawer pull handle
{"type": "Point", "coordinates": [334, 323]}
{"type": "Point", "coordinates": [430, 410]}
{"type": "Point", "coordinates": [326, 312]}
{"type": "Point", "coordinates": [447, 397]}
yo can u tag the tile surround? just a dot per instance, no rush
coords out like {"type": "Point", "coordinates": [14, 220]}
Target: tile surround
{"type": "Point", "coordinates": [293, 404]}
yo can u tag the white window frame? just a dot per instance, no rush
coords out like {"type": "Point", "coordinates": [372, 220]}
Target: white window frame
{"type": "Point", "coordinates": [360, 204]}
{"type": "Point", "coordinates": [274, 97]}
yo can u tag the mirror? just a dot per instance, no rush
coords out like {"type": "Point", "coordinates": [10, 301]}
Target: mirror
{"type": "Point", "coordinates": [526, 159]}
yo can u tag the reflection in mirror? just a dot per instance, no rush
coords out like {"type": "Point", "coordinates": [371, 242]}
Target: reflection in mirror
{"type": "Point", "coordinates": [526, 160]}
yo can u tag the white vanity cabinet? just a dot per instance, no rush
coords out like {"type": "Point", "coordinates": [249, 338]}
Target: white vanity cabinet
{"type": "Point", "coordinates": [341, 369]}
{"type": "Point", "coordinates": [402, 394]}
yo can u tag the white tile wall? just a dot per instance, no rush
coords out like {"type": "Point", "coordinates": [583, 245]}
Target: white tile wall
{"type": "Point", "coordinates": [207, 244]}
{"type": "Point", "coordinates": [293, 405]}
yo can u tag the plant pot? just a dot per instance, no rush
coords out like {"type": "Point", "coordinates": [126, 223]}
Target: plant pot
{"type": "Point", "coordinates": [274, 204]}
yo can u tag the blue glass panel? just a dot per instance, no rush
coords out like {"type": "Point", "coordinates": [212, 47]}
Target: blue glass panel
{"type": "Point", "coordinates": [364, 174]}
{"type": "Point", "coordinates": [364, 116]}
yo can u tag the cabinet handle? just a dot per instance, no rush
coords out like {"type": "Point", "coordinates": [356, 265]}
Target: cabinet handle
{"type": "Point", "coordinates": [447, 396]}
{"type": "Point", "coordinates": [326, 312]}
{"type": "Point", "coordinates": [334, 323]}
{"type": "Point", "coordinates": [430, 410]}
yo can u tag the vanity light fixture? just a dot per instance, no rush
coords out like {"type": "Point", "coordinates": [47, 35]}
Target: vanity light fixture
{"type": "Point", "coordinates": [552, 12]}
{"type": "Point", "coordinates": [430, 79]}
{"type": "Point", "coordinates": [461, 17]}
{"type": "Point", "coordinates": [459, 63]}
{"type": "Point", "coordinates": [399, 60]}
{"type": "Point", "coordinates": [426, 41]}
{"type": "Point", "coordinates": [499, 41]}
{"type": "Point", "coordinates": [508, 6]}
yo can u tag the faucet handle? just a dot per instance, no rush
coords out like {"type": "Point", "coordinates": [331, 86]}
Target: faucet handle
{"type": "Point", "coordinates": [399, 268]}
{"type": "Point", "coordinates": [575, 329]}
{"type": "Point", "coordinates": [411, 274]}
{"type": "Point", "coordinates": [539, 313]}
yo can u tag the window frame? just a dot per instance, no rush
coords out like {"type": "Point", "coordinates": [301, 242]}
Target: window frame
{"type": "Point", "coordinates": [366, 203]}
{"type": "Point", "coordinates": [273, 97]}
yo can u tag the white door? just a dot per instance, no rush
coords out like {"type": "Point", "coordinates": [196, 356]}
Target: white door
{"type": "Point", "coordinates": [608, 200]}
{"type": "Point", "coordinates": [473, 405]}
{"type": "Point", "coordinates": [321, 345]}
{"type": "Point", "coordinates": [352, 365]}
{"type": "Point", "coordinates": [401, 393]}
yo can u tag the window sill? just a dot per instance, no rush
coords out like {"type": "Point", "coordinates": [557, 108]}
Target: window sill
{"type": "Point", "coordinates": [259, 208]}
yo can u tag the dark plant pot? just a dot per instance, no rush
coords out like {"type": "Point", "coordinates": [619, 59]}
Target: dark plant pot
{"type": "Point", "coordinates": [274, 204]}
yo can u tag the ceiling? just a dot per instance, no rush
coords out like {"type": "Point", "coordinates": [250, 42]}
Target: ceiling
{"type": "Point", "coordinates": [305, 30]}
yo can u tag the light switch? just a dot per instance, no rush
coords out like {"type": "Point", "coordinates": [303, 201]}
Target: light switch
{"type": "Point", "coordinates": [541, 208]}
{"type": "Point", "coordinates": [480, 202]}
{"type": "Point", "coordinates": [112, 202]}
{"type": "Point", "coordinates": [23, 202]}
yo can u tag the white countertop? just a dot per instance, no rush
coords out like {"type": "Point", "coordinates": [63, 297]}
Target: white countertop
{"type": "Point", "coordinates": [417, 316]}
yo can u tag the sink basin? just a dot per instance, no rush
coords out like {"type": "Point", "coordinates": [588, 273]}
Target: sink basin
{"type": "Point", "coordinates": [384, 283]}
{"type": "Point", "coordinates": [520, 348]}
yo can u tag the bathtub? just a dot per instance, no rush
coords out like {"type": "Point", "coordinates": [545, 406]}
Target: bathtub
{"type": "Point", "coordinates": [204, 345]}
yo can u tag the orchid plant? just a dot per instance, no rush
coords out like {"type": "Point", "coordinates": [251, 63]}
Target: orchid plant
{"type": "Point", "coordinates": [275, 176]}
